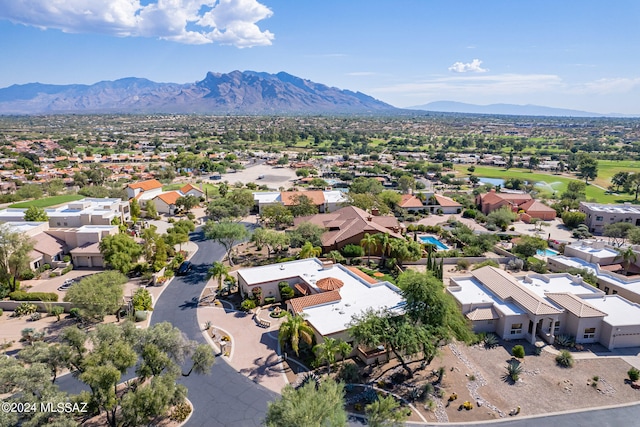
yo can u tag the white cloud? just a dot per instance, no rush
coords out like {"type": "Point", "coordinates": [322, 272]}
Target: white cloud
{"type": "Point", "coordinates": [230, 22]}
{"type": "Point", "coordinates": [361, 73]}
{"type": "Point", "coordinates": [608, 86]}
{"type": "Point", "coordinates": [473, 66]}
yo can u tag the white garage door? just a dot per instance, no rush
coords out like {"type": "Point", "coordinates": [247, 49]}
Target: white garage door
{"type": "Point", "coordinates": [627, 340]}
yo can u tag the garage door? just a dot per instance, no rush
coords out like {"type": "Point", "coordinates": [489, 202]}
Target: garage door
{"type": "Point", "coordinates": [627, 340]}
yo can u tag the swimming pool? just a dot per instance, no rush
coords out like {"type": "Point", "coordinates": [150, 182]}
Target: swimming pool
{"type": "Point", "coordinates": [433, 241]}
{"type": "Point", "coordinates": [547, 252]}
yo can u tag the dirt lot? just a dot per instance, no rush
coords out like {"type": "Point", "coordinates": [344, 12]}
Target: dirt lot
{"type": "Point", "coordinates": [476, 374]}
{"type": "Point", "coordinates": [273, 177]}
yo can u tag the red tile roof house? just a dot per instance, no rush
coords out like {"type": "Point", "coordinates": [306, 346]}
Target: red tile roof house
{"type": "Point", "coordinates": [166, 202]}
{"type": "Point", "coordinates": [144, 190]}
{"type": "Point", "coordinates": [349, 225]}
{"type": "Point", "coordinates": [493, 200]}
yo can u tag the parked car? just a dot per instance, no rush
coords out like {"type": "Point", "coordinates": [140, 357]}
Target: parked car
{"type": "Point", "coordinates": [184, 268]}
{"type": "Point", "coordinates": [66, 285]}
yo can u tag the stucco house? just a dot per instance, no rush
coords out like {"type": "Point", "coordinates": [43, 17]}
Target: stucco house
{"type": "Point", "coordinates": [144, 190]}
{"type": "Point", "coordinates": [543, 307]}
{"type": "Point", "coordinates": [493, 200]}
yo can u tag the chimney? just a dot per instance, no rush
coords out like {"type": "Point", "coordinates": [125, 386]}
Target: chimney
{"type": "Point", "coordinates": [493, 190]}
{"type": "Point", "coordinates": [375, 212]}
{"type": "Point", "coordinates": [369, 218]}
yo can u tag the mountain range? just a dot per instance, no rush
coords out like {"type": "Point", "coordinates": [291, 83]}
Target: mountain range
{"type": "Point", "coordinates": [506, 109]}
{"type": "Point", "coordinates": [237, 92]}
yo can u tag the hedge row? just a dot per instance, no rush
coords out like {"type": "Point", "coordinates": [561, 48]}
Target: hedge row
{"type": "Point", "coordinates": [33, 296]}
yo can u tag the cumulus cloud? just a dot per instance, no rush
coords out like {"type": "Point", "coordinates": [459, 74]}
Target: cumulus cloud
{"type": "Point", "coordinates": [232, 22]}
{"type": "Point", "coordinates": [473, 66]}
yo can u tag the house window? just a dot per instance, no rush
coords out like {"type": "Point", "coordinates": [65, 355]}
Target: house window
{"type": "Point", "coordinates": [58, 223]}
{"type": "Point", "coordinates": [613, 292]}
{"type": "Point", "coordinates": [606, 290]}
{"type": "Point", "coordinates": [599, 218]}
{"type": "Point", "coordinates": [516, 328]}
{"type": "Point", "coordinates": [490, 322]}
{"type": "Point", "coordinates": [589, 333]}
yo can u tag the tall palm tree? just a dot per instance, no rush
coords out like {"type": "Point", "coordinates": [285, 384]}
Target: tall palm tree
{"type": "Point", "coordinates": [344, 349]}
{"type": "Point", "coordinates": [292, 330]}
{"type": "Point", "coordinates": [310, 251]}
{"type": "Point", "coordinates": [369, 243]}
{"type": "Point", "coordinates": [218, 271]}
{"type": "Point", "coordinates": [628, 257]}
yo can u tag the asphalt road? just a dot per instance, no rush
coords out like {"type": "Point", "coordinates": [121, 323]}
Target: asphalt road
{"type": "Point", "coordinates": [224, 397]}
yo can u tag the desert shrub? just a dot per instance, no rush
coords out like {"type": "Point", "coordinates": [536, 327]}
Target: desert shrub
{"type": "Point", "coordinates": [67, 269]}
{"type": "Point", "coordinates": [517, 351]}
{"type": "Point", "coordinates": [1, 312]}
{"type": "Point", "coordinates": [35, 316]}
{"type": "Point", "coordinates": [470, 213]}
{"type": "Point", "coordinates": [33, 296]}
{"type": "Point", "coordinates": [462, 264]}
{"type": "Point", "coordinates": [491, 341]}
{"type": "Point", "coordinates": [564, 359]}
{"type": "Point", "coordinates": [248, 304]}
{"type": "Point", "coordinates": [351, 251]}
{"type": "Point", "coordinates": [65, 258]}
{"type": "Point", "coordinates": [565, 340]}
{"type": "Point", "coordinates": [28, 275]}
{"type": "Point", "coordinates": [514, 370]}
{"type": "Point", "coordinates": [56, 311]}
{"type": "Point", "coordinates": [349, 373]}
{"type": "Point", "coordinates": [269, 300]}
{"type": "Point", "coordinates": [180, 412]}
{"type": "Point", "coordinates": [74, 313]}
{"type": "Point", "coordinates": [488, 262]}
{"type": "Point", "coordinates": [515, 264]}
{"type": "Point", "coordinates": [24, 309]}
{"type": "Point", "coordinates": [142, 300]}
{"type": "Point", "coordinates": [634, 374]}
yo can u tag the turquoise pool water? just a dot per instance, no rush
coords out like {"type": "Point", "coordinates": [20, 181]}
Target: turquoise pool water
{"type": "Point", "coordinates": [432, 240]}
{"type": "Point", "coordinates": [547, 252]}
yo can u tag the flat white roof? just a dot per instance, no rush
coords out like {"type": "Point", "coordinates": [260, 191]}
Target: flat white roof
{"type": "Point", "coordinates": [266, 197]}
{"type": "Point", "coordinates": [23, 227]}
{"type": "Point", "coordinates": [599, 252]}
{"type": "Point", "coordinates": [472, 292]}
{"type": "Point", "coordinates": [334, 196]}
{"type": "Point", "coordinates": [597, 207]}
{"type": "Point", "coordinates": [631, 284]}
{"type": "Point", "coordinates": [620, 312]}
{"type": "Point", "coordinates": [357, 294]}
{"type": "Point", "coordinates": [556, 283]}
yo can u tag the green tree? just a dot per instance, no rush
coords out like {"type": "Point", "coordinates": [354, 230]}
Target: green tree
{"type": "Point", "coordinates": [294, 329]}
{"type": "Point", "coordinates": [187, 202]}
{"type": "Point", "coordinates": [276, 215]}
{"type": "Point", "coordinates": [403, 250]}
{"type": "Point", "coordinates": [150, 208]}
{"type": "Point", "coordinates": [406, 183]}
{"type": "Point", "coordinates": [386, 412]}
{"type": "Point", "coordinates": [309, 406]}
{"type": "Point", "coordinates": [35, 213]}
{"type": "Point", "coordinates": [502, 217]}
{"type": "Point", "coordinates": [573, 219]}
{"type": "Point", "coordinates": [302, 206]}
{"type": "Point", "coordinates": [390, 198]}
{"type": "Point", "coordinates": [628, 257]}
{"type": "Point", "coordinates": [218, 271]}
{"type": "Point", "coordinates": [120, 252]}
{"type": "Point", "coordinates": [633, 236]}
{"type": "Point", "coordinates": [617, 232]}
{"type": "Point", "coordinates": [588, 168]}
{"type": "Point", "coordinates": [306, 232]}
{"type": "Point", "coordinates": [15, 248]}
{"type": "Point", "coordinates": [384, 243]}
{"type": "Point", "coordinates": [362, 185]}
{"type": "Point", "coordinates": [223, 209]}
{"type": "Point", "coordinates": [326, 351]}
{"type": "Point", "coordinates": [228, 234]}
{"type": "Point", "coordinates": [528, 246]}
{"type": "Point", "coordinates": [98, 295]}
{"type": "Point", "coordinates": [619, 179]}
{"type": "Point", "coordinates": [272, 239]}
{"type": "Point", "coordinates": [309, 251]}
{"type": "Point", "coordinates": [135, 209]}
{"type": "Point", "coordinates": [369, 242]}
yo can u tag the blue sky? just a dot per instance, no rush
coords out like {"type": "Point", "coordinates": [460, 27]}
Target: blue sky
{"type": "Point", "coordinates": [567, 54]}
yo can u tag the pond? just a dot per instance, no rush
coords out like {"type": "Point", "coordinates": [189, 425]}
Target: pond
{"type": "Point", "coordinates": [493, 181]}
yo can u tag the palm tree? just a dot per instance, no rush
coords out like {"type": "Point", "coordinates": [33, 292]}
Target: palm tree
{"type": "Point", "coordinates": [218, 271]}
{"type": "Point", "coordinates": [310, 251]}
{"type": "Point", "coordinates": [369, 243]}
{"type": "Point", "coordinates": [385, 244]}
{"type": "Point", "coordinates": [344, 349]}
{"type": "Point", "coordinates": [628, 257]}
{"type": "Point", "coordinates": [292, 330]}
{"type": "Point", "coordinates": [326, 351]}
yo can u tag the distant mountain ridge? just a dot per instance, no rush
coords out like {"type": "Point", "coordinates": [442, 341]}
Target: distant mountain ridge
{"type": "Point", "coordinates": [237, 92]}
{"type": "Point", "coordinates": [506, 109]}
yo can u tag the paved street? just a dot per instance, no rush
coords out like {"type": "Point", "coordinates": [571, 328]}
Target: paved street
{"type": "Point", "coordinates": [224, 397]}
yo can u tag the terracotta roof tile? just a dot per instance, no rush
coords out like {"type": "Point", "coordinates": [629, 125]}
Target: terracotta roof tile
{"type": "Point", "coordinates": [575, 305]}
{"type": "Point", "coordinates": [483, 313]}
{"type": "Point", "coordinates": [289, 197]}
{"type": "Point", "coordinates": [446, 201]}
{"type": "Point", "coordinates": [410, 201]}
{"type": "Point", "coordinates": [169, 198]}
{"type": "Point", "coordinates": [299, 304]}
{"type": "Point", "coordinates": [146, 185]}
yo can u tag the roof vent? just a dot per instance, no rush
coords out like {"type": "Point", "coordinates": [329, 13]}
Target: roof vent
{"type": "Point", "coordinates": [281, 267]}
{"type": "Point", "coordinates": [341, 312]}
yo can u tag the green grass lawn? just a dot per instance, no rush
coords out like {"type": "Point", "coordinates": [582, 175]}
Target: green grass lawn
{"type": "Point", "coordinates": [554, 183]}
{"type": "Point", "coordinates": [49, 201]}
{"type": "Point", "coordinates": [608, 168]}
